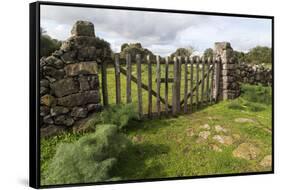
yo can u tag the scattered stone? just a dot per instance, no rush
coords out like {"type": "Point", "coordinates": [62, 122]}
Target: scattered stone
{"type": "Point", "coordinates": [190, 132]}
{"type": "Point", "coordinates": [64, 87]}
{"type": "Point", "coordinates": [59, 110]}
{"type": "Point", "coordinates": [81, 68]}
{"type": "Point", "coordinates": [205, 126]}
{"type": "Point", "coordinates": [48, 100]}
{"type": "Point", "coordinates": [137, 139]}
{"type": "Point", "coordinates": [266, 161]}
{"type": "Point", "coordinates": [218, 129]}
{"type": "Point", "coordinates": [215, 148]}
{"type": "Point", "coordinates": [204, 134]}
{"type": "Point", "coordinates": [244, 120]}
{"type": "Point", "coordinates": [79, 112]}
{"type": "Point", "coordinates": [246, 151]}
{"type": "Point", "coordinates": [226, 140]}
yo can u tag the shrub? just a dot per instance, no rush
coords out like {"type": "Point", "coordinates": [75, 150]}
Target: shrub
{"type": "Point", "coordinates": [258, 94]}
{"type": "Point", "coordinates": [90, 159]}
{"type": "Point", "coordinates": [235, 105]}
{"type": "Point", "coordinates": [254, 107]}
{"type": "Point", "coordinates": [119, 115]}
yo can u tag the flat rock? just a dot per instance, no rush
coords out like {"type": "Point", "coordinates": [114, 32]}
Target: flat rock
{"type": "Point", "coordinates": [205, 126]}
{"type": "Point", "coordinates": [219, 128]}
{"type": "Point", "coordinates": [59, 110]}
{"type": "Point", "coordinates": [246, 151]}
{"type": "Point", "coordinates": [189, 132]}
{"type": "Point", "coordinates": [64, 87]}
{"type": "Point", "coordinates": [244, 120]}
{"type": "Point", "coordinates": [266, 161]}
{"type": "Point", "coordinates": [226, 140]}
{"type": "Point", "coordinates": [87, 68]}
{"type": "Point", "coordinates": [204, 134]}
{"type": "Point", "coordinates": [215, 148]}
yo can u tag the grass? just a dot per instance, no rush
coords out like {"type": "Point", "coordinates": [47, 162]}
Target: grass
{"type": "Point", "coordinates": [161, 147]}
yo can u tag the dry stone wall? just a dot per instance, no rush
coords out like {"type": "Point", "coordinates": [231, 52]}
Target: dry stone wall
{"type": "Point", "coordinates": [69, 83]}
{"type": "Point", "coordinates": [254, 74]}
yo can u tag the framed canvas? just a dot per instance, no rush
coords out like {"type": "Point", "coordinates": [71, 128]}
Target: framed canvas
{"type": "Point", "coordinates": [127, 94]}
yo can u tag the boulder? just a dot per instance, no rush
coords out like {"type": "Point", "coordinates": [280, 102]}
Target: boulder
{"type": "Point", "coordinates": [83, 28]}
{"type": "Point", "coordinates": [78, 99]}
{"type": "Point", "coordinates": [90, 67]}
{"type": "Point", "coordinates": [64, 87]}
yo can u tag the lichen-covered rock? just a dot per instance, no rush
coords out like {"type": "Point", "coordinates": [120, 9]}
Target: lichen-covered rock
{"type": "Point", "coordinates": [79, 99]}
{"type": "Point", "coordinates": [58, 110]}
{"type": "Point", "coordinates": [48, 100]}
{"type": "Point", "coordinates": [83, 28]}
{"type": "Point", "coordinates": [246, 151]}
{"type": "Point", "coordinates": [81, 68]}
{"type": "Point", "coordinates": [266, 161]}
{"type": "Point", "coordinates": [79, 112]}
{"type": "Point", "coordinates": [64, 87]}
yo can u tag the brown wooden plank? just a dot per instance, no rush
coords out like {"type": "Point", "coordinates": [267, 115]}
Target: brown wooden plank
{"type": "Point", "coordinates": [129, 77]}
{"type": "Point", "coordinates": [185, 83]}
{"type": "Point", "coordinates": [144, 86]}
{"type": "Point", "coordinates": [149, 68]}
{"type": "Point", "coordinates": [212, 81]}
{"type": "Point", "coordinates": [207, 79]}
{"type": "Point", "coordinates": [197, 81]}
{"type": "Point", "coordinates": [158, 85]}
{"type": "Point", "coordinates": [117, 80]}
{"type": "Point", "coordinates": [104, 83]}
{"type": "Point", "coordinates": [138, 58]}
{"type": "Point", "coordinates": [203, 80]}
{"type": "Point", "coordinates": [191, 83]}
{"type": "Point", "coordinates": [179, 84]}
{"type": "Point", "coordinates": [174, 88]}
{"type": "Point", "coordinates": [166, 84]}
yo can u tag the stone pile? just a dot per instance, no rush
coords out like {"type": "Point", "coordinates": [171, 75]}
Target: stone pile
{"type": "Point", "coordinates": [254, 74]}
{"type": "Point", "coordinates": [69, 83]}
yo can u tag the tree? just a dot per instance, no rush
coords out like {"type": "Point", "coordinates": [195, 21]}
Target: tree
{"type": "Point", "coordinates": [184, 52]}
{"type": "Point", "coordinates": [259, 54]}
{"type": "Point", "coordinates": [208, 53]}
{"type": "Point", "coordinates": [47, 44]}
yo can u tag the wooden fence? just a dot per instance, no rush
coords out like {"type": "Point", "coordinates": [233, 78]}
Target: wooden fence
{"type": "Point", "coordinates": [198, 76]}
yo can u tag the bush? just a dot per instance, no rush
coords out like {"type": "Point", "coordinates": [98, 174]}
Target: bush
{"type": "Point", "coordinates": [90, 159]}
{"type": "Point", "coordinates": [254, 107]}
{"type": "Point", "coordinates": [119, 115]}
{"type": "Point", "coordinates": [258, 94]}
{"type": "Point", "coordinates": [235, 105]}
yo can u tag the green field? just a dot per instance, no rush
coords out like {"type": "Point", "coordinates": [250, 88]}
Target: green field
{"type": "Point", "coordinates": [173, 147]}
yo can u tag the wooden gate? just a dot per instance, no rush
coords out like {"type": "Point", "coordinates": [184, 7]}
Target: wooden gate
{"type": "Point", "coordinates": [181, 85]}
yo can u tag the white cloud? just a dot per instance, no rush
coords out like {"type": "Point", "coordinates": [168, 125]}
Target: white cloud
{"type": "Point", "coordinates": [160, 32]}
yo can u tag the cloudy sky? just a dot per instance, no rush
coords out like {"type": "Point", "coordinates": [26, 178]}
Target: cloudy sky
{"type": "Point", "coordinates": [162, 33]}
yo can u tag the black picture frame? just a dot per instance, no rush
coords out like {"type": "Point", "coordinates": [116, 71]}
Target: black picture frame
{"type": "Point", "coordinates": [34, 95]}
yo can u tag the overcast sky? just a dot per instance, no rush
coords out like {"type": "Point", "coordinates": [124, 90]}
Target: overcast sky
{"type": "Point", "coordinates": [162, 33]}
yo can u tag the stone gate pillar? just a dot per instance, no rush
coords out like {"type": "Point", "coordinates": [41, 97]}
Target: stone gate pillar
{"type": "Point", "coordinates": [228, 86]}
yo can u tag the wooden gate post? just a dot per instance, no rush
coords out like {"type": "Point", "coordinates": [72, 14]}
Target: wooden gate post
{"type": "Point", "coordinates": [129, 77]}
{"type": "Point", "coordinates": [104, 83]}
{"type": "Point", "coordinates": [117, 79]}
{"type": "Point", "coordinates": [138, 58]}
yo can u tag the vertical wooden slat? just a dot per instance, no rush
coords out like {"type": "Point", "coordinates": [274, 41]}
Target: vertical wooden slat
{"type": "Point", "coordinates": [138, 58]}
{"type": "Point", "coordinates": [117, 79]}
{"type": "Point", "coordinates": [197, 82]}
{"type": "Point", "coordinates": [217, 79]}
{"type": "Point", "coordinates": [203, 80]}
{"type": "Point", "coordinates": [104, 83]}
{"type": "Point", "coordinates": [212, 81]}
{"type": "Point", "coordinates": [149, 68]}
{"type": "Point", "coordinates": [179, 84]}
{"type": "Point", "coordinates": [191, 83]}
{"type": "Point", "coordinates": [207, 79]}
{"type": "Point", "coordinates": [129, 77]}
{"type": "Point", "coordinates": [185, 84]}
{"type": "Point", "coordinates": [158, 78]}
{"type": "Point", "coordinates": [166, 84]}
{"type": "Point", "coordinates": [175, 82]}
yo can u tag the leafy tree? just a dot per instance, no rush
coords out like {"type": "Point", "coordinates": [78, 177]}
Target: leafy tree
{"type": "Point", "coordinates": [183, 52]}
{"type": "Point", "coordinates": [47, 44]}
{"type": "Point", "coordinates": [208, 53]}
{"type": "Point", "coordinates": [259, 54]}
